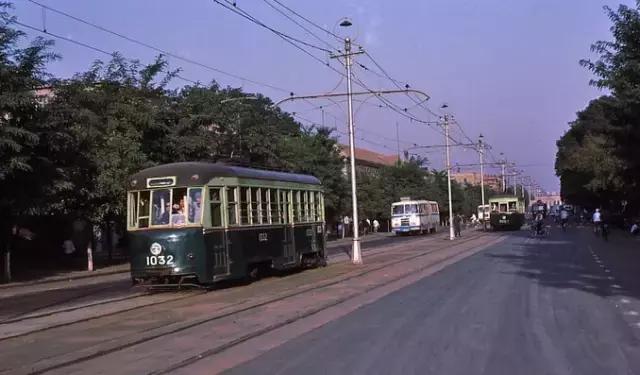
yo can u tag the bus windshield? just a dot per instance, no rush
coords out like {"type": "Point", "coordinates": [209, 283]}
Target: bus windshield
{"type": "Point", "coordinates": [405, 209]}
{"type": "Point", "coordinates": [165, 207]}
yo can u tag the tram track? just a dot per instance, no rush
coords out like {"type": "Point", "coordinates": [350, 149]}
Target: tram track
{"type": "Point", "coordinates": [150, 335]}
{"type": "Point", "coordinates": [26, 316]}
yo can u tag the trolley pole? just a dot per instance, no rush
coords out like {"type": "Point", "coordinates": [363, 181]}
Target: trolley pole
{"type": "Point", "coordinates": [515, 183]}
{"type": "Point", "coordinates": [446, 136]}
{"type": "Point", "coordinates": [356, 257]}
{"type": "Point", "coordinates": [481, 152]}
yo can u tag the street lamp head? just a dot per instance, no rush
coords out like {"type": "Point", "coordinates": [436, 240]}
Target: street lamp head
{"type": "Point", "coordinates": [346, 23]}
{"type": "Point", "coordinates": [445, 105]}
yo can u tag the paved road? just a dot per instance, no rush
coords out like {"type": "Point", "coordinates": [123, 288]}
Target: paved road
{"type": "Point", "coordinates": [525, 306]}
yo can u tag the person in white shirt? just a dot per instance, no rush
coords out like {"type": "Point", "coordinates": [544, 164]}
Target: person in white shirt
{"type": "Point", "coordinates": [597, 220]}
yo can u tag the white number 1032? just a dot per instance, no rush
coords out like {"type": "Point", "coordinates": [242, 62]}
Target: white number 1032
{"type": "Point", "coordinates": [160, 260]}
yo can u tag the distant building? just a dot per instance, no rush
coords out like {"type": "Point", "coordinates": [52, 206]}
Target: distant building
{"type": "Point", "coordinates": [473, 178]}
{"type": "Point", "coordinates": [367, 162]}
{"type": "Point", "coordinates": [550, 199]}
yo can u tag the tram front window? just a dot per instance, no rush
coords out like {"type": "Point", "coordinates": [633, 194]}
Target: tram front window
{"type": "Point", "coordinates": [175, 207]}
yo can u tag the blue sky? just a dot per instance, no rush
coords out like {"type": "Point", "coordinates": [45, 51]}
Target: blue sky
{"type": "Point", "coordinates": [508, 70]}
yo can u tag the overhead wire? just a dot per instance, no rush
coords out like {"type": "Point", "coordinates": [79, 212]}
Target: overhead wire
{"type": "Point", "coordinates": [300, 25]}
{"type": "Point", "coordinates": [157, 49]}
{"type": "Point", "coordinates": [308, 20]}
{"type": "Point", "coordinates": [93, 48]}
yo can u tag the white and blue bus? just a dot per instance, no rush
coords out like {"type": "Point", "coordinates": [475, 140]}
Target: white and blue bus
{"type": "Point", "coordinates": [414, 216]}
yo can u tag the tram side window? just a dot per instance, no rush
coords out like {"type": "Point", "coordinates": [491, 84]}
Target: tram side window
{"type": "Point", "coordinates": [216, 207]}
{"type": "Point", "coordinates": [512, 206]}
{"type": "Point", "coordinates": [284, 206]}
{"type": "Point", "coordinates": [143, 209]}
{"type": "Point", "coordinates": [296, 206]}
{"type": "Point", "coordinates": [254, 206]}
{"type": "Point", "coordinates": [244, 205]}
{"type": "Point", "coordinates": [274, 215]}
{"type": "Point", "coordinates": [195, 205]}
{"type": "Point", "coordinates": [305, 206]}
{"type": "Point", "coordinates": [434, 208]}
{"type": "Point", "coordinates": [264, 205]}
{"type": "Point", "coordinates": [132, 206]}
{"type": "Point", "coordinates": [319, 207]}
{"type": "Point", "coordinates": [232, 197]}
{"type": "Point", "coordinates": [312, 206]}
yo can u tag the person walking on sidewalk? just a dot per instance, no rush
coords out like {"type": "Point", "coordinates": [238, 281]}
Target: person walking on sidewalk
{"type": "Point", "coordinates": [457, 225]}
{"type": "Point", "coordinates": [376, 225]}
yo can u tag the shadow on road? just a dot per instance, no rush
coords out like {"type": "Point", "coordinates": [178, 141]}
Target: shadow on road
{"type": "Point", "coordinates": [565, 261]}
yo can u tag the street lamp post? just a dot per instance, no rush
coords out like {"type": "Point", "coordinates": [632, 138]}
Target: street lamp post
{"type": "Point", "coordinates": [481, 152]}
{"type": "Point", "coordinates": [446, 138]}
{"type": "Point", "coordinates": [356, 257]}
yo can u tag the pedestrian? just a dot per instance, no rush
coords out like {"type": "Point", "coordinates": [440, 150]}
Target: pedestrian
{"type": "Point", "coordinates": [376, 225]}
{"type": "Point", "coordinates": [457, 222]}
{"type": "Point", "coordinates": [346, 221]}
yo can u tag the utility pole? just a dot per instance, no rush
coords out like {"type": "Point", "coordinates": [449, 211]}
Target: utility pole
{"type": "Point", "coordinates": [481, 152]}
{"type": "Point", "coordinates": [504, 182]}
{"type": "Point", "coordinates": [356, 257]}
{"type": "Point", "coordinates": [446, 138]}
{"type": "Point", "coordinates": [515, 183]}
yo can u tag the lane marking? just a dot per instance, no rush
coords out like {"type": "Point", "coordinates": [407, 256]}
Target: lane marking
{"type": "Point", "coordinates": [637, 324]}
{"type": "Point", "coordinates": [616, 286]}
{"type": "Point", "coordinates": [611, 278]}
{"type": "Point", "coordinates": [624, 300]}
{"type": "Point", "coordinates": [632, 313]}
{"type": "Point", "coordinates": [607, 271]}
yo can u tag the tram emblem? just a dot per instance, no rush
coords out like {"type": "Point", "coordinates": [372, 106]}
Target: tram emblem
{"type": "Point", "coordinates": [155, 248]}
{"type": "Point", "coordinates": [262, 237]}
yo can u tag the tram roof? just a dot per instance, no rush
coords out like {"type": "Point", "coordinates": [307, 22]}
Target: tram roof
{"type": "Point", "coordinates": [186, 172]}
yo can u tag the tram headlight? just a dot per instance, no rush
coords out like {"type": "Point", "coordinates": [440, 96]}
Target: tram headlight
{"type": "Point", "coordinates": [395, 222]}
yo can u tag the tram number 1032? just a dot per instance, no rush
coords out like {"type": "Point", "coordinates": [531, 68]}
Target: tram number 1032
{"type": "Point", "coordinates": [160, 260]}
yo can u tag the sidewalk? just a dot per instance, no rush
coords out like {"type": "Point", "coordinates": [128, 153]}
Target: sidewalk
{"type": "Point", "coordinates": [125, 268]}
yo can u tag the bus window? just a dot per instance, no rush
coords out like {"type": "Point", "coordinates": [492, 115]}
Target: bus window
{"type": "Point", "coordinates": [398, 210]}
{"type": "Point", "coordinates": [143, 209]}
{"type": "Point", "coordinates": [216, 207]}
{"type": "Point", "coordinates": [264, 205]}
{"type": "Point", "coordinates": [161, 207]}
{"type": "Point", "coordinates": [244, 205]}
{"type": "Point", "coordinates": [274, 215]}
{"type": "Point", "coordinates": [232, 208]}
{"type": "Point", "coordinates": [195, 204]}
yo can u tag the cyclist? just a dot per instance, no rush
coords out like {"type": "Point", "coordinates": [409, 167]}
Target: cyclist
{"type": "Point", "coordinates": [564, 218]}
{"type": "Point", "coordinates": [597, 221]}
{"type": "Point", "coordinates": [539, 223]}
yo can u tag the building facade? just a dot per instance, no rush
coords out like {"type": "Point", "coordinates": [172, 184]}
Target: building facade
{"type": "Point", "coordinates": [473, 178]}
{"type": "Point", "coordinates": [367, 162]}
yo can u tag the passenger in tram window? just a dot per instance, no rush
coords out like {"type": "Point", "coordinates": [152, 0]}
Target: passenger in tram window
{"type": "Point", "coordinates": [195, 206]}
{"type": "Point", "coordinates": [177, 216]}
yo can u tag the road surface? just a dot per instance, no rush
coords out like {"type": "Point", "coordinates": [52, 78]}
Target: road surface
{"type": "Point", "coordinates": [566, 304]}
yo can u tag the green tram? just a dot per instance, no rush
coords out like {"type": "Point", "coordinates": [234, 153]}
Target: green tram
{"type": "Point", "coordinates": [507, 212]}
{"type": "Point", "coordinates": [196, 223]}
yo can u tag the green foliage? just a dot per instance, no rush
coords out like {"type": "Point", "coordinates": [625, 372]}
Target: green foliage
{"type": "Point", "coordinates": [597, 159]}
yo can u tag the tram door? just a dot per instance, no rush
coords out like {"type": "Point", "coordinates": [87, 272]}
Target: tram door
{"type": "Point", "coordinates": [288, 239]}
{"type": "Point", "coordinates": [218, 240]}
